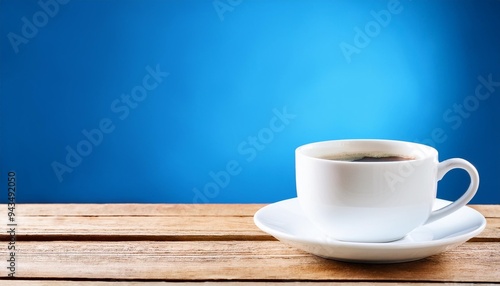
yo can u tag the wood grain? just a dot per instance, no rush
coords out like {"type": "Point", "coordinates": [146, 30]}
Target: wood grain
{"type": "Point", "coordinates": [240, 260]}
{"type": "Point", "coordinates": [161, 244]}
{"type": "Point", "coordinates": [156, 222]}
{"type": "Point", "coordinates": [487, 210]}
{"type": "Point", "coordinates": [135, 209]}
{"type": "Point", "coordinates": [165, 209]}
{"type": "Point", "coordinates": [161, 228]}
{"type": "Point", "coordinates": [139, 228]}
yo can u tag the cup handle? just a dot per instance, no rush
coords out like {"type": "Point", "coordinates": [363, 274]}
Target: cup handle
{"type": "Point", "coordinates": [443, 168]}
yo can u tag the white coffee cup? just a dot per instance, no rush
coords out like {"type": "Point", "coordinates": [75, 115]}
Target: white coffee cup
{"type": "Point", "coordinates": [373, 201]}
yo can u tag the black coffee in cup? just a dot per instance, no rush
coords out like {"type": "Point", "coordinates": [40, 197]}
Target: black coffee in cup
{"type": "Point", "coordinates": [367, 157]}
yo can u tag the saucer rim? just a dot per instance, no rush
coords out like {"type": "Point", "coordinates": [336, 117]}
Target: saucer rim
{"type": "Point", "coordinates": [328, 241]}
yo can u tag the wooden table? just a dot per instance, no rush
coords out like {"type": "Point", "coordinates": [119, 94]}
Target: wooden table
{"type": "Point", "coordinates": [158, 244]}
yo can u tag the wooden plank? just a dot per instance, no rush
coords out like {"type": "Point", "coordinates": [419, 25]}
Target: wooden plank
{"type": "Point", "coordinates": [137, 228]}
{"type": "Point", "coordinates": [163, 209]}
{"type": "Point", "coordinates": [133, 209]}
{"type": "Point", "coordinates": [160, 228]}
{"type": "Point", "coordinates": [491, 233]}
{"type": "Point", "coordinates": [239, 260]}
{"type": "Point", "coordinates": [487, 210]}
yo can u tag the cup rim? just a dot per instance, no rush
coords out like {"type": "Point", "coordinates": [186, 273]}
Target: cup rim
{"type": "Point", "coordinates": [428, 151]}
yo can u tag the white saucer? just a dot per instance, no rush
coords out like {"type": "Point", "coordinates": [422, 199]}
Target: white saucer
{"type": "Point", "coordinates": [285, 221]}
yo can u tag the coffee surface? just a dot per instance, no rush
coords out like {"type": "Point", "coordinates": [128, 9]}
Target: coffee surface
{"type": "Point", "coordinates": [381, 159]}
{"type": "Point", "coordinates": [367, 157]}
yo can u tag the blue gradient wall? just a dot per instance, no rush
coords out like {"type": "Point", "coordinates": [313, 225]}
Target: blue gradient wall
{"type": "Point", "coordinates": [205, 101]}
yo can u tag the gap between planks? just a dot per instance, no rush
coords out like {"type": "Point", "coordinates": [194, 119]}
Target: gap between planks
{"type": "Point", "coordinates": [263, 237]}
{"type": "Point", "coordinates": [85, 282]}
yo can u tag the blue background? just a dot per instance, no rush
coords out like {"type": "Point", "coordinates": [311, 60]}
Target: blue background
{"type": "Point", "coordinates": [232, 67]}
